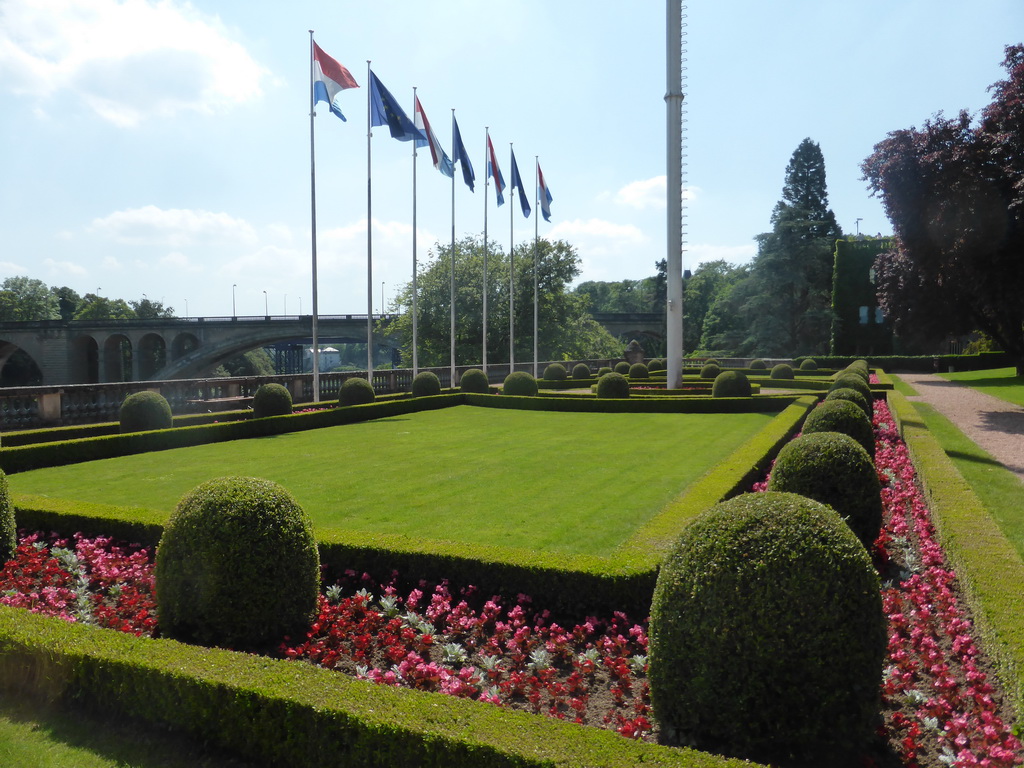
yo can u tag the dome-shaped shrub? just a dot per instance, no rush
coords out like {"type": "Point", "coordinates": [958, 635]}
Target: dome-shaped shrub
{"type": "Point", "coordinates": [842, 416]}
{"type": "Point", "coordinates": [237, 565]}
{"type": "Point", "coordinates": [757, 364]}
{"type": "Point", "coordinates": [622, 367]}
{"type": "Point", "coordinates": [639, 371]}
{"type": "Point", "coordinates": [710, 371]}
{"type": "Point", "coordinates": [271, 400]}
{"type": "Point", "coordinates": [603, 370]}
{"type": "Point", "coordinates": [767, 636]}
{"type": "Point", "coordinates": [712, 361]}
{"type": "Point", "coordinates": [731, 384]}
{"type": "Point", "coordinates": [475, 380]}
{"type": "Point", "coordinates": [808, 364]}
{"type": "Point", "coordinates": [834, 469]}
{"type": "Point", "coordinates": [860, 373]}
{"type": "Point", "coordinates": [657, 364]}
{"type": "Point", "coordinates": [855, 397]}
{"type": "Point", "coordinates": [356, 391]}
{"type": "Point", "coordinates": [782, 371]}
{"type": "Point", "coordinates": [613, 385]}
{"type": "Point", "coordinates": [142, 411]}
{"type": "Point", "coordinates": [581, 371]}
{"type": "Point", "coordinates": [426, 384]}
{"type": "Point", "coordinates": [8, 526]}
{"type": "Point", "coordinates": [555, 372]}
{"type": "Point", "coordinates": [519, 384]}
{"type": "Point", "coordinates": [851, 381]}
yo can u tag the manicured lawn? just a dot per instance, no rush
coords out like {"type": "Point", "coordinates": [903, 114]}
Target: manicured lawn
{"type": "Point", "coordinates": [563, 482]}
{"type": "Point", "coordinates": [999, 382]}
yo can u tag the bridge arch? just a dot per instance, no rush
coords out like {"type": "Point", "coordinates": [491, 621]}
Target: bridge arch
{"type": "Point", "coordinates": [182, 344]}
{"type": "Point", "coordinates": [117, 358]}
{"type": "Point", "coordinates": [84, 359]}
{"type": "Point", "coordinates": [18, 368]}
{"type": "Point", "coordinates": [152, 355]}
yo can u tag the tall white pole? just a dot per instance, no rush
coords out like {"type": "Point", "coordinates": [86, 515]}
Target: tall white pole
{"type": "Point", "coordinates": [674, 105]}
{"type": "Point", "coordinates": [312, 207]}
{"type": "Point", "coordinates": [451, 263]}
{"type": "Point", "coordinates": [415, 310]}
{"type": "Point", "coordinates": [536, 242]}
{"type": "Point", "coordinates": [487, 176]}
{"type": "Point", "coordinates": [369, 236]}
{"type": "Point", "coordinates": [511, 279]}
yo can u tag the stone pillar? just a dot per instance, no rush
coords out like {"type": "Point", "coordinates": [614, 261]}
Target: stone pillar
{"type": "Point", "coordinates": [49, 407]}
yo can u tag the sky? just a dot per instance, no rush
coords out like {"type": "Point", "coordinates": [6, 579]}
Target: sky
{"type": "Point", "coordinates": [161, 148]}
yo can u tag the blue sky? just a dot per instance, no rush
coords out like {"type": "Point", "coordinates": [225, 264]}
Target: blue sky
{"type": "Point", "coordinates": [161, 148]}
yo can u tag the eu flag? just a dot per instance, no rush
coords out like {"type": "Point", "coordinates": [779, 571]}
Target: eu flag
{"type": "Point", "coordinates": [384, 110]}
{"type": "Point", "coordinates": [459, 155]}
{"type": "Point", "coordinates": [517, 183]}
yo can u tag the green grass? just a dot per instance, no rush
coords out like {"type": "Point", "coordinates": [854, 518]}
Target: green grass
{"type": "Point", "coordinates": [999, 382]}
{"type": "Point", "coordinates": [469, 475]}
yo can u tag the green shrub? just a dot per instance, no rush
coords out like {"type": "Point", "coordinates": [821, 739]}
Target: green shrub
{"type": "Point", "coordinates": [475, 380]}
{"type": "Point", "coordinates": [842, 416]}
{"type": "Point", "coordinates": [237, 565]}
{"type": "Point", "coordinates": [851, 381]}
{"type": "Point", "coordinates": [855, 397]}
{"type": "Point", "coordinates": [426, 384]}
{"type": "Point", "coordinates": [143, 411]}
{"type": "Point", "coordinates": [8, 526]}
{"type": "Point", "coordinates": [271, 400]}
{"type": "Point", "coordinates": [603, 370]}
{"type": "Point", "coordinates": [834, 469]}
{"type": "Point", "coordinates": [731, 384]}
{"type": "Point", "coordinates": [622, 367]}
{"type": "Point", "coordinates": [782, 371]}
{"type": "Point", "coordinates": [520, 384]}
{"type": "Point", "coordinates": [657, 364]}
{"type": "Point", "coordinates": [555, 372]}
{"type": "Point", "coordinates": [613, 385]}
{"type": "Point", "coordinates": [808, 364]}
{"type": "Point", "coordinates": [757, 364]}
{"type": "Point", "coordinates": [710, 371]}
{"type": "Point", "coordinates": [356, 391]}
{"type": "Point", "coordinates": [639, 371]}
{"type": "Point", "coordinates": [581, 371]}
{"type": "Point", "coordinates": [712, 361]}
{"type": "Point", "coordinates": [767, 636]}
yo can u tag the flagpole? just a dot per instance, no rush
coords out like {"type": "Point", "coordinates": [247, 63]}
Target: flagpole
{"type": "Point", "coordinates": [511, 276]}
{"type": "Point", "coordinates": [536, 240]}
{"type": "Point", "coordinates": [451, 262]}
{"type": "Point", "coordinates": [415, 312]}
{"type": "Point", "coordinates": [487, 138]}
{"type": "Point", "coordinates": [369, 237]}
{"type": "Point", "coordinates": [312, 207]}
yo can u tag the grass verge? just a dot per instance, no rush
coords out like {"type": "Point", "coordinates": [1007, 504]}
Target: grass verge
{"type": "Point", "coordinates": [1003, 383]}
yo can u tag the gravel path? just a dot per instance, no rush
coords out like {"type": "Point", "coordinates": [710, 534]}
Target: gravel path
{"type": "Point", "coordinates": [995, 425]}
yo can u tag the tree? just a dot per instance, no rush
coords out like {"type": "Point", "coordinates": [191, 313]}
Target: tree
{"type": "Point", "coordinates": [24, 299]}
{"type": "Point", "coordinates": [954, 192]}
{"type": "Point", "coordinates": [565, 329]}
{"type": "Point", "coordinates": [147, 309]}
{"type": "Point", "coordinates": [709, 282]}
{"type": "Point", "coordinates": [93, 307]}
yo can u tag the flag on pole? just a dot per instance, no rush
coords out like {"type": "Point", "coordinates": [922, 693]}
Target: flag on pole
{"type": "Point", "coordinates": [543, 194]}
{"type": "Point", "coordinates": [517, 183]}
{"type": "Point", "coordinates": [461, 156]}
{"type": "Point", "coordinates": [384, 110]}
{"type": "Point", "coordinates": [441, 160]}
{"type": "Point", "coordinates": [494, 172]}
{"type": "Point", "coordinates": [329, 79]}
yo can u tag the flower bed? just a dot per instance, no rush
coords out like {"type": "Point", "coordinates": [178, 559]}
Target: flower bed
{"type": "Point", "coordinates": [939, 706]}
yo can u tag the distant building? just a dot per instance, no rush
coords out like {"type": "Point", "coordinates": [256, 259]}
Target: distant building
{"type": "Point", "coordinates": [859, 326]}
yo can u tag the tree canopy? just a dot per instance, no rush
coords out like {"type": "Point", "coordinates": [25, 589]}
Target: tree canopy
{"type": "Point", "coordinates": [954, 192]}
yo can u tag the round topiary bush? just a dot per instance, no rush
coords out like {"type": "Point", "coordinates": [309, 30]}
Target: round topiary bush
{"type": "Point", "coordinates": [842, 416]}
{"type": "Point", "coordinates": [603, 370]}
{"type": "Point", "coordinates": [622, 367]}
{"type": "Point", "coordinates": [519, 384]}
{"type": "Point", "coordinates": [271, 400]}
{"type": "Point", "coordinates": [712, 361]}
{"type": "Point", "coordinates": [581, 371]}
{"type": "Point", "coordinates": [613, 385]}
{"type": "Point", "coordinates": [710, 371]}
{"type": "Point", "coordinates": [474, 380]}
{"type": "Point", "coordinates": [731, 384]}
{"type": "Point", "coordinates": [356, 391]}
{"type": "Point", "coordinates": [834, 469]}
{"type": "Point", "coordinates": [855, 397]}
{"type": "Point", "coordinates": [639, 371]}
{"type": "Point", "coordinates": [808, 364]}
{"type": "Point", "coordinates": [555, 372]}
{"type": "Point", "coordinates": [8, 526]}
{"type": "Point", "coordinates": [782, 371]}
{"type": "Point", "coordinates": [757, 364]}
{"type": "Point", "coordinates": [851, 381]}
{"type": "Point", "coordinates": [657, 364]}
{"type": "Point", "coordinates": [237, 566]}
{"type": "Point", "coordinates": [142, 411]}
{"type": "Point", "coordinates": [767, 636]}
{"type": "Point", "coordinates": [860, 373]}
{"type": "Point", "coordinates": [426, 384]}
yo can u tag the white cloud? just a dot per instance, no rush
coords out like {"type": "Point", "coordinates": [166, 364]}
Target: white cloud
{"type": "Point", "coordinates": [700, 253]}
{"type": "Point", "coordinates": [63, 268]}
{"type": "Point", "coordinates": [128, 61]}
{"type": "Point", "coordinates": [650, 193]}
{"type": "Point", "coordinates": [172, 227]}
{"type": "Point", "coordinates": [179, 262]}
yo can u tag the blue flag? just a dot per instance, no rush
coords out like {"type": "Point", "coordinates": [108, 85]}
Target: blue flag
{"type": "Point", "coordinates": [459, 155]}
{"type": "Point", "coordinates": [517, 183]}
{"type": "Point", "coordinates": [384, 110]}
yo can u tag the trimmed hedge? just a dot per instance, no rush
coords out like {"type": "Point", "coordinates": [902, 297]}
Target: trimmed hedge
{"type": "Point", "coordinates": [555, 372]}
{"type": "Point", "coordinates": [519, 384]}
{"type": "Point", "coordinates": [580, 371]}
{"type": "Point", "coordinates": [8, 525]}
{"type": "Point", "coordinates": [622, 367]}
{"type": "Point", "coordinates": [842, 416]}
{"type": "Point", "coordinates": [710, 371]}
{"type": "Point", "coordinates": [426, 384]}
{"type": "Point", "coordinates": [356, 391]}
{"type": "Point", "coordinates": [782, 371]}
{"type": "Point", "coordinates": [271, 400]}
{"type": "Point", "coordinates": [474, 380]}
{"type": "Point", "coordinates": [731, 384]}
{"type": "Point", "coordinates": [639, 371]}
{"type": "Point", "coordinates": [612, 385]}
{"type": "Point", "coordinates": [143, 411]}
{"type": "Point", "coordinates": [855, 397]}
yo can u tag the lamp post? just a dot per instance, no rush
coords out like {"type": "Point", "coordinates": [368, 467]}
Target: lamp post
{"type": "Point", "coordinates": [286, 305]}
{"type": "Point", "coordinates": [233, 312]}
{"type": "Point", "coordinates": [266, 304]}
{"type": "Point", "coordinates": [186, 309]}
{"type": "Point", "coordinates": [382, 297]}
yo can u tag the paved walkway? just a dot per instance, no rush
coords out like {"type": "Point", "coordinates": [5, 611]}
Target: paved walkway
{"type": "Point", "coordinates": [995, 425]}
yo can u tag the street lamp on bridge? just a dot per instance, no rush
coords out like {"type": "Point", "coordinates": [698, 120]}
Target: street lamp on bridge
{"type": "Point", "coordinates": [266, 304]}
{"type": "Point", "coordinates": [233, 312]}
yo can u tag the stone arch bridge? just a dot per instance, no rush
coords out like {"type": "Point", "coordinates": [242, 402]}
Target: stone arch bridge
{"type": "Point", "coordinates": [94, 351]}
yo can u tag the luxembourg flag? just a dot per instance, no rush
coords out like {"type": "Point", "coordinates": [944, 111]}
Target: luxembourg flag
{"type": "Point", "coordinates": [495, 172]}
{"type": "Point", "coordinates": [543, 194]}
{"type": "Point", "coordinates": [329, 79]}
{"type": "Point", "coordinates": [441, 160]}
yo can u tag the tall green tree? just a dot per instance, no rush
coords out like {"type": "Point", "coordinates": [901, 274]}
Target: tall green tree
{"type": "Point", "coordinates": [709, 282]}
{"type": "Point", "coordinates": [565, 328]}
{"type": "Point", "coordinates": [94, 307]}
{"type": "Point", "coordinates": [24, 299]}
